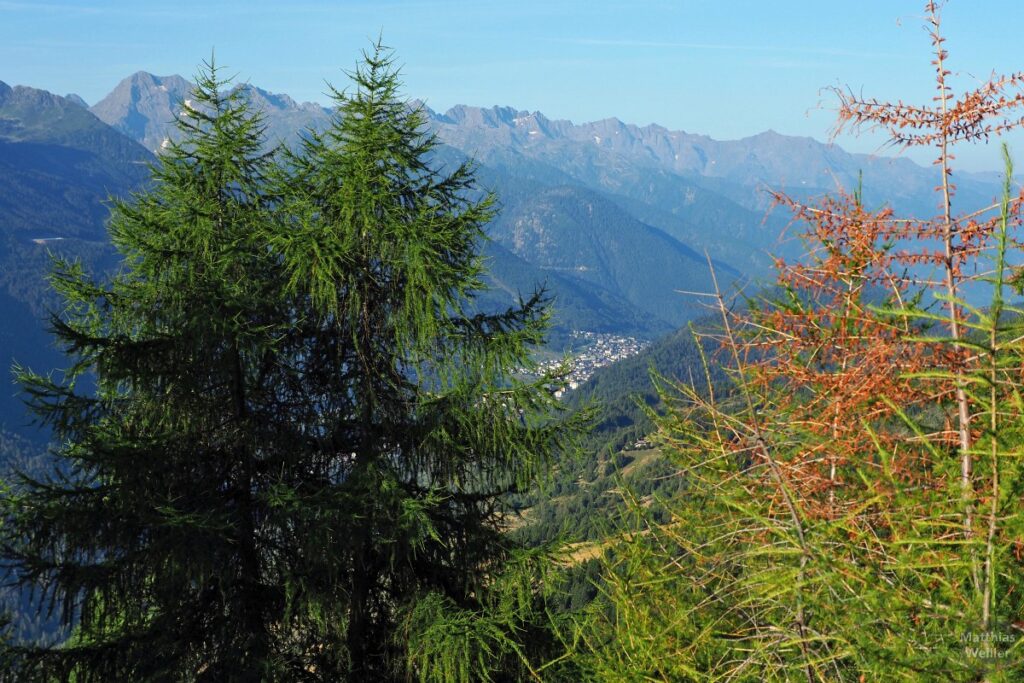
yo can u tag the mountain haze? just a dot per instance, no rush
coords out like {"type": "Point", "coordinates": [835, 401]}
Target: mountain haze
{"type": "Point", "coordinates": [578, 232]}
{"type": "Point", "coordinates": [709, 194]}
{"type": "Point", "coordinates": [144, 106]}
{"type": "Point", "coordinates": [58, 165]}
{"type": "Point", "coordinates": [612, 218]}
{"type": "Point", "coordinates": [731, 168]}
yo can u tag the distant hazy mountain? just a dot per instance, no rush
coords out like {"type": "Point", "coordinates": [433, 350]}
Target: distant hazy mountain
{"type": "Point", "coordinates": [581, 233]}
{"type": "Point", "coordinates": [622, 211]}
{"type": "Point", "coordinates": [285, 118]}
{"type": "Point", "coordinates": [58, 165]}
{"type": "Point", "coordinates": [609, 155]}
{"type": "Point", "coordinates": [732, 168]}
{"type": "Point", "coordinates": [76, 99]}
{"type": "Point", "coordinates": [577, 304]}
{"type": "Point", "coordinates": [144, 106]}
{"type": "Point", "coordinates": [708, 195]}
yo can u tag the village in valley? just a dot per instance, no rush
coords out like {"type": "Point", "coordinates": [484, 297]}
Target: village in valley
{"type": "Point", "coordinates": [595, 350]}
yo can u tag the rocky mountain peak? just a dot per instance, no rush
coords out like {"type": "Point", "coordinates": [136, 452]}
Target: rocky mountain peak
{"type": "Point", "coordinates": [255, 94]}
{"type": "Point", "coordinates": [143, 105]}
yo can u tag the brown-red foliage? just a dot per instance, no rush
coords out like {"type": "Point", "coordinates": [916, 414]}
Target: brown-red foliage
{"type": "Point", "coordinates": [846, 342]}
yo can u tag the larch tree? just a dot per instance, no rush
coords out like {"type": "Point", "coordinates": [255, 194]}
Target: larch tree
{"type": "Point", "coordinates": [854, 508]}
{"type": "Point", "coordinates": [293, 462]}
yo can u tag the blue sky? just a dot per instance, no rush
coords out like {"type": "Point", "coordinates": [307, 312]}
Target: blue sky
{"type": "Point", "coordinates": [725, 68]}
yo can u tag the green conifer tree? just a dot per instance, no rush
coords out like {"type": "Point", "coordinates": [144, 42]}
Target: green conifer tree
{"type": "Point", "coordinates": [294, 460]}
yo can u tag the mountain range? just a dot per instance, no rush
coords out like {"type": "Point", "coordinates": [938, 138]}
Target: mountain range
{"type": "Point", "coordinates": [613, 218]}
{"type": "Point", "coordinates": [143, 107]}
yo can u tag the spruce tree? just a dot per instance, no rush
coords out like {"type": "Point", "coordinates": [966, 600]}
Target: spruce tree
{"type": "Point", "coordinates": [293, 463]}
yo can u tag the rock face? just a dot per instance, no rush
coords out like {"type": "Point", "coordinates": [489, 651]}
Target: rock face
{"type": "Point", "coordinates": [695, 181]}
{"type": "Point", "coordinates": [76, 99]}
{"type": "Point", "coordinates": [285, 118]}
{"type": "Point", "coordinates": [143, 107]}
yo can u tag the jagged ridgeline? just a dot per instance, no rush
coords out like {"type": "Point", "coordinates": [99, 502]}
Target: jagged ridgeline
{"type": "Point", "coordinates": [612, 217]}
